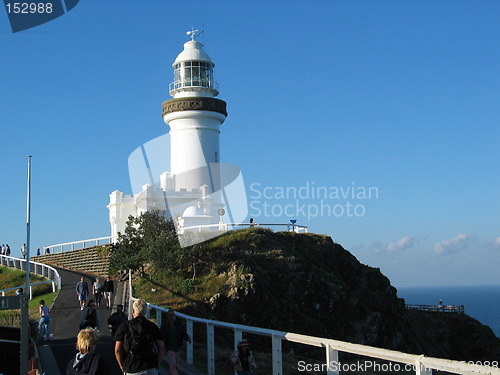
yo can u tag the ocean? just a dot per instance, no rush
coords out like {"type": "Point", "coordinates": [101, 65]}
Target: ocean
{"type": "Point", "coordinates": [480, 302]}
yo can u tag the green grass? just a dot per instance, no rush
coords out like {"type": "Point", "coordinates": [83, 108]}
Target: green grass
{"type": "Point", "coordinates": [10, 278]}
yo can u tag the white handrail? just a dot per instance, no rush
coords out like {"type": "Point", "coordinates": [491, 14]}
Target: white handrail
{"type": "Point", "coordinates": [31, 287]}
{"type": "Point", "coordinates": [226, 226]}
{"type": "Point", "coordinates": [37, 268]}
{"type": "Point", "coordinates": [97, 241]}
{"type": "Point", "coordinates": [420, 364]}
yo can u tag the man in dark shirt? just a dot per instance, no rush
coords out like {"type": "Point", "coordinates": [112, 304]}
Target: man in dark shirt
{"type": "Point", "coordinates": [116, 319]}
{"type": "Point", "coordinates": [139, 329]}
{"type": "Point", "coordinates": [174, 334]}
{"type": "Point", "coordinates": [108, 289]}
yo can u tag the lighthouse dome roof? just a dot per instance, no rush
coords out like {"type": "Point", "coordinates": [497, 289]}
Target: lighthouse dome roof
{"type": "Point", "coordinates": [193, 211]}
{"type": "Point", "coordinates": [193, 51]}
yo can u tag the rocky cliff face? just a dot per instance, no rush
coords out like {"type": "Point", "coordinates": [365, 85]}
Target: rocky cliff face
{"type": "Point", "coordinates": [308, 284]}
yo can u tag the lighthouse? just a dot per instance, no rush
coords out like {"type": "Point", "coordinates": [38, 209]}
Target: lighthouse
{"type": "Point", "coordinates": [194, 116]}
{"type": "Point", "coordinates": [190, 191]}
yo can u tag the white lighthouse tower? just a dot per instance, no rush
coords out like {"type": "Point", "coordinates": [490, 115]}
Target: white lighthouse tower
{"type": "Point", "coordinates": [191, 190]}
{"type": "Point", "coordinates": [194, 117]}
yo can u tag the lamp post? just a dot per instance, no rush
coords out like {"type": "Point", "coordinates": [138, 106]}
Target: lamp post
{"type": "Point", "coordinates": [24, 358]}
{"type": "Point", "coordinates": [28, 212]}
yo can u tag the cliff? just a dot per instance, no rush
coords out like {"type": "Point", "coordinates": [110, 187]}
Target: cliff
{"type": "Point", "coordinates": [306, 283]}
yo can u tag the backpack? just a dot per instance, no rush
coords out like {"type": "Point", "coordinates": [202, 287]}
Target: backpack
{"type": "Point", "coordinates": [138, 340]}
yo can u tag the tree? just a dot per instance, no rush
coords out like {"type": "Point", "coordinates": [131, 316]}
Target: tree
{"type": "Point", "coordinates": [148, 239]}
{"type": "Point", "coordinates": [150, 244]}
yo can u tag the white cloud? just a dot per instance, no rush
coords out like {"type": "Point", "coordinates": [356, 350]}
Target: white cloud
{"type": "Point", "coordinates": [398, 246]}
{"type": "Point", "coordinates": [496, 242]}
{"type": "Point", "coordinates": [402, 244]}
{"type": "Point", "coordinates": [453, 245]}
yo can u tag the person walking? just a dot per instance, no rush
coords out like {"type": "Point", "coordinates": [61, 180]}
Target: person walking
{"type": "Point", "coordinates": [86, 361]}
{"type": "Point", "coordinates": [173, 334]}
{"type": "Point", "coordinates": [24, 250]}
{"type": "Point", "coordinates": [243, 359]}
{"type": "Point", "coordinates": [135, 349]}
{"type": "Point", "coordinates": [108, 289]}
{"type": "Point", "coordinates": [97, 291]}
{"type": "Point", "coordinates": [44, 322]}
{"type": "Point", "coordinates": [82, 290]}
{"type": "Point", "coordinates": [90, 317]}
{"type": "Point", "coordinates": [116, 319]}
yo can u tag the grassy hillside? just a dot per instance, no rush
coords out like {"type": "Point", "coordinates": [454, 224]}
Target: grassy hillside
{"type": "Point", "coordinates": [306, 283]}
{"type": "Point", "coordinates": [10, 278]}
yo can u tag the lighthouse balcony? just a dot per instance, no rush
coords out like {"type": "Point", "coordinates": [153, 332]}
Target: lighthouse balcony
{"type": "Point", "coordinates": [175, 87]}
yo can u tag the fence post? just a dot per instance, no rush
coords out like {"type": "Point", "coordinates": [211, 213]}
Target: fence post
{"type": "Point", "coordinates": [53, 286]}
{"type": "Point", "coordinates": [31, 293]}
{"type": "Point", "coordinates": [189, 348]}
{"type": "Point", "coordinates": [210, 349]}
{"type": "Point", "coordinates": [332, 360]}
{"type": "Point", "coordinates": [420, 368]}
{"type": "Point", "coordinates": [159, 317]}
{"type": "Point", "coordinates": [277, 356]}
{"type": "Point", "coordinates": [238, 336]}
{"type": "Point", "coordinates": [148, 311]}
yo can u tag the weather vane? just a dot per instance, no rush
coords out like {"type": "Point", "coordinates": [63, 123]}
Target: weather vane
{"type": "Point", "coordinates": [192, 33]}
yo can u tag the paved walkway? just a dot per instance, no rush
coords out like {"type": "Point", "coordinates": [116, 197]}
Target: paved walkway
{"type": "Point", "coordinates": [64, 327]}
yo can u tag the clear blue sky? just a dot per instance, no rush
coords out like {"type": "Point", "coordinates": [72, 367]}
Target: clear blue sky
{"type": "Point", "coordinates": [399, 96]}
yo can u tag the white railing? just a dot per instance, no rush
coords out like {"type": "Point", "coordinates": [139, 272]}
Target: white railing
{"type": "Point", "coordinates": [2, 292]}
{"type": "Point", "coordinates": [419, 364]}
{"type": "Point", "coordinates": [34, 267]}
{"type": "Point", "coordinates": [228, 226]}
{"type": "Point", "coordinates": [67, 246]}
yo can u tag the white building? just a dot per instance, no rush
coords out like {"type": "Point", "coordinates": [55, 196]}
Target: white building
{"type": "Point", "coordinates": [190, 191]}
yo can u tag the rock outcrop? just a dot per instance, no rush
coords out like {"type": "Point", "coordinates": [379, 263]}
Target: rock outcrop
{"type": "Point", "coordinates": [306, 283]}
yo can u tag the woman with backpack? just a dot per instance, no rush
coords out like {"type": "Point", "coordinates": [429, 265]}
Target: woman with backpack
{"type": "Point", "coordinates": [86, 362]}
{"type": "Point", "coordinates": [90, 317]}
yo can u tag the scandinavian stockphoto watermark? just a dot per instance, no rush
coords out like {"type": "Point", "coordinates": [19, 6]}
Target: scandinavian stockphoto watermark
{"type": "Point", "coordinates": [199, 214]}
{"type": "Point", "coordinates": [359, 366]}
{"type": "Point", "coordinates": [310, 200]}
{"type": "Point", "coordinates": [372, 366]}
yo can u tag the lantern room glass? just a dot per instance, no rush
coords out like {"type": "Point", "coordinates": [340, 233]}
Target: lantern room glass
{"type": "Point", "coordinates": [193, 74]}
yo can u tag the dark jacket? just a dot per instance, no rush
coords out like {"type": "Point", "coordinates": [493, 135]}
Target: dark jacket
{"type": "Point", "coordinates": [108, 286]}
{"type": "Point", "coordinates": [89, 364]}
{"type": "Point", "coordinates": [180, 335]}
{"type": "Point", "coordinates": [115, 320]}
